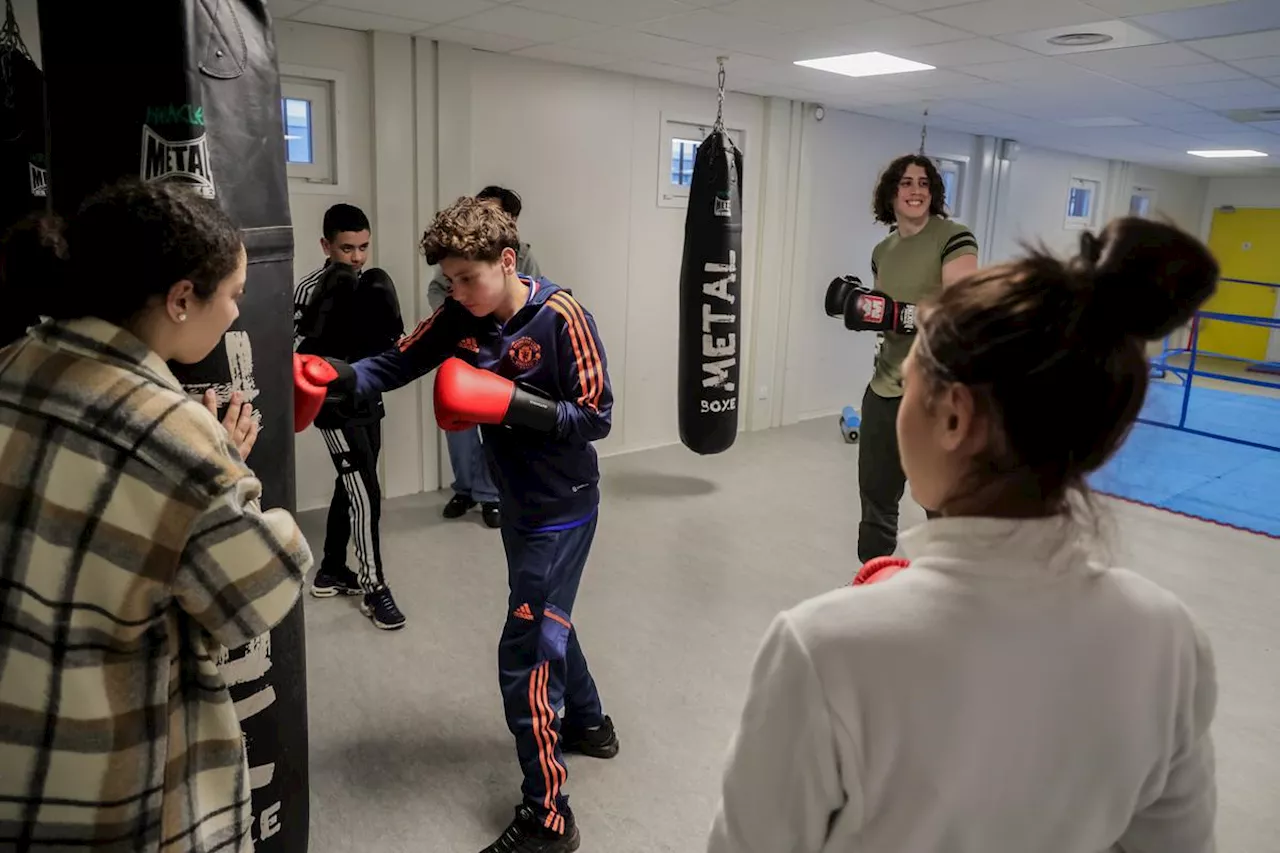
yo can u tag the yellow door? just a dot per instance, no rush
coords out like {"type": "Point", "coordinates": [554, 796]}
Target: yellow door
{"type": "Point", "coordinates": [1246, 242]}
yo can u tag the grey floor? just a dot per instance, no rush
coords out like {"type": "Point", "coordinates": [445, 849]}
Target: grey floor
{"type": "Point", "coordinates": [409, 751]}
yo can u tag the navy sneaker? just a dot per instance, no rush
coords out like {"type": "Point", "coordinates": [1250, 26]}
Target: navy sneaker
{"type": "Point", "coordinates": [527, 834]}
{"type": "Point", "coordinates": [331, 582]}
{"type": "Point", "coordinates": [600, 742]}
{"type": "Point", "coordinates": [380, 607]}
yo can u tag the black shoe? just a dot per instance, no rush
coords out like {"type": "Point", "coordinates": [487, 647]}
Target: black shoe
{"type": "Point", "coordinates": [331, 582]}
{"type": "Point", "coordinates": [596, 743]}
{"type": "Point", "coordinates": [381, 608]}
{"type": "Point", "coordinates": [492, 514]}
{"type": "Point", "coordinates": [457, 506]}
{"type": "Point", "coordinates": [526, 834]}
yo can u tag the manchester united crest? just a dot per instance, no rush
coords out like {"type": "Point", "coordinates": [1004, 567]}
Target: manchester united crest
{"type": "Point", "coordinates": [525, 352]}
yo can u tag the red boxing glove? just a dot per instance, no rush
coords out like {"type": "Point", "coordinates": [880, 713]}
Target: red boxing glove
{"type": "Point", "coordinates": [879, 569]}
{"type": "Point", "coordinates": [465, 396]}
{"type": "Point", "coordinates": [311, 378]}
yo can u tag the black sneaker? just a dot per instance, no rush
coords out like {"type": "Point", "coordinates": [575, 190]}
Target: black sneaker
{"type": "Point", "coordinates": [331, 582]}
{"type": "Point", "coordinates": [492, 514]}
{"type": "Point", "coordinates": [457, 506]}
{"type": "Point", "coordinates": [526, 834]}
{"type": "Point", "coordinates": [381, 608]}
{"type": "Point", "coordinates": [601, 742]}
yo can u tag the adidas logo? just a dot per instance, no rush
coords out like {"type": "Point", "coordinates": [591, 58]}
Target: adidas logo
{"type": "Point", "coordinates": [523, 612]}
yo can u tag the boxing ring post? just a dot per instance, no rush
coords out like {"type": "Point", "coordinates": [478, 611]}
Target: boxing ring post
{"type": "Point", "coordinates": [1160, 366]}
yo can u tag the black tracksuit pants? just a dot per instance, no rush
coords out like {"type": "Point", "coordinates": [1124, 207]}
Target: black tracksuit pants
{"type": "Point", "coordinates": [356, 507]}
{"type": "Point", "coordinates": [881, 480]}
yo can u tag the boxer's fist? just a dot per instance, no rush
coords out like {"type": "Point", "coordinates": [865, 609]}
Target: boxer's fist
{"type": "Point", "coordinates": [879, 569]}
{"type": "Point", "coordinates": [465, 396]}
{"type": "Point", "coordinates": [838, 293]}
{"type": "Point", "coordinates": [873, 311]}
{"type": "Point", "coordinates": [315, 381]}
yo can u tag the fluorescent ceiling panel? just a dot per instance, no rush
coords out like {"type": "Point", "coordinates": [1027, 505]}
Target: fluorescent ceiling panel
{"type": "Point", "coordinates": [864, 64]}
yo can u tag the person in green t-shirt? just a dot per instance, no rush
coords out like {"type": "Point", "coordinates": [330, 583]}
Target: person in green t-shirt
{"type": "Point", "coordinates": [923, 253]}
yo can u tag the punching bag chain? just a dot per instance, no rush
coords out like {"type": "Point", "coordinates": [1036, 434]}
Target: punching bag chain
{"type": "Point", "coordinates": [11, 48]}
{"type": "Point", "coordinates": [924, 130]}
{"type": "Point", "coordinates": [720, 103]}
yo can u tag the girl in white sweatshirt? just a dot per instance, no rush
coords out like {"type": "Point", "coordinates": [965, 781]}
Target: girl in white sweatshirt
{"type": "Point", "coordinates": [1006, 692]}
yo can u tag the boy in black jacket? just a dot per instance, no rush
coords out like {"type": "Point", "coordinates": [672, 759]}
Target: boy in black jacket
{"type": "Point", "coordinates": [344, 311]}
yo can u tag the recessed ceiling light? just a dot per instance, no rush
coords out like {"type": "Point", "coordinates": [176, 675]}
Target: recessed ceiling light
{"type": "Point", "coordinates": [1080, 39]}
{"type": "Point", "coordinates": [1228, 152]}
{"type": "Point", "coordinates": [864, 64]}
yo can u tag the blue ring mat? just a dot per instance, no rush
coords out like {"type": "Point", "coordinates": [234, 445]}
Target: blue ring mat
{"type": "Point", "coordinates": [1214, 480]}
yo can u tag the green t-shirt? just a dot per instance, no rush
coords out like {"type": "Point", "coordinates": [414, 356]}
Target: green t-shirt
{"type": "Point", "coordinates": [909, 269]}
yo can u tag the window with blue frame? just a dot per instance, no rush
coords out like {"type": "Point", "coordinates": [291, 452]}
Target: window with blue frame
{"type": "Point", "coordinates": [297, 130]}
{"type": "Point", "coordinates": [1082, 199]}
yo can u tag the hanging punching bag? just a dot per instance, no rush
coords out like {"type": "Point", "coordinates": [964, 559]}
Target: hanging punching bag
{"type": "Point", "coordinates": [710, 307]}
{"type": "Point", "coordinates": [23, 185]}
{"type": "Point", "coordinates": [188, 91]}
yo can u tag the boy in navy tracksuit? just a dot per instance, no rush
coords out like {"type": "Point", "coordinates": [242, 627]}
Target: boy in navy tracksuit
{"type": "Point", "coordinates": [523, 359]}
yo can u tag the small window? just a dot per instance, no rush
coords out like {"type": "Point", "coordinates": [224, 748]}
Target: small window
{"type": "Point", "coordinates": [683, 154]}
{"type": "Point", "coordinates": [952, 171]}
{"type": "Point", "coordinates": [1082, 199]}
{"type": "Point", "coordinates": [297, 130]}
{"type": "Point", "coordinates": [307, 106]}
{"type": "Point", "coordinates": [680, 142]}
{"type": "Point", "coordinates": [1142, 202]}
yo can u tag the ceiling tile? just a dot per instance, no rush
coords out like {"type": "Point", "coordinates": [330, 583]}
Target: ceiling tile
{"type": "Point", "coordinates": [1000, 17]}
{"type": "Point", "coordinates": [922, 5]}
{"type": "Point", "coordinates": [885, 34]}
{"type": "Point", "coordinates": [614, 12]}
{"type": "Point", "coordinates": [1269, 126]}
{"type": "Point", "coordinates": [1148, 56]}
{"type": "Point", "coordinates": [1223, 88]}
{"type": "Point", "coordinates": [484, 41]}
{"type": "Point", "coordinates": [351, 19]}
{"type": "Point", "coordinates": [658, 71]}
{"type": "Point", "coordinates": [433, 11]}
{"type": "Point", "coordinates": [806, 14]}
{"type": "Point", "coordinates": [1249, 46]}
{"type": "Point", "coordinates": [714, 27]}
{"type": "Point", "coordinates": [1242, 16]}
{"type": "Point", "coordinates": [634, 45]}
{"type": "Point", "coordinates": [1200, 120]}
{"type": "Point", "coordinates": [977, 92]}
{"type": "Point", "coordinates": [1209, 72]}
{"type": "Point", "coordinates": [566, 55]}
{"type": "Point", "coordinates": [935, 79]}
{"type": "Point", "coordinates": [1128, 8]}
{"type": "Point", "coordinates": [528, 24]}
{"type": "Point", "coordinates": [1021, 70]}
{"type": "Point", "coordinates": [965, 51]}
{"type": "Point", "coordinates": [1264, 67]}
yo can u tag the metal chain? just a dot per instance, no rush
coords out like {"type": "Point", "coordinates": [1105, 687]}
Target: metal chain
{"type": "Point", "coordinates": [924, 130]}
{"type": "Point", "coordinates": [720, 84]}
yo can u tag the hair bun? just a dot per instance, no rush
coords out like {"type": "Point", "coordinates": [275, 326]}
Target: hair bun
{"type": "Point", "coordinates": [1149, 276]}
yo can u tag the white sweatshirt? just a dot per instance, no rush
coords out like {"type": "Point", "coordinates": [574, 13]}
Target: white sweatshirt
{"type": "Point", "coordinates": [1001, 695]}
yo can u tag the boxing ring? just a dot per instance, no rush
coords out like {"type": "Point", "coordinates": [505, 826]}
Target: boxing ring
{"type": "Point", "coordinates": [1206, 452]}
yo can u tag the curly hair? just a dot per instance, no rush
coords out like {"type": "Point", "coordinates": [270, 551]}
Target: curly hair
{"type": "Point", "coordinates": [471, 228]}
{"type": "Point", "coordinates": [887, 188]}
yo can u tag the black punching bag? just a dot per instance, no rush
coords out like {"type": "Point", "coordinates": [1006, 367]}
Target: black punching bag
{"type": "Point", "coordinates": [188, 91]}
{"type": "Point", "coordinates": [710, 306]}
{"type": "Point", "coordinates": [23, 186]}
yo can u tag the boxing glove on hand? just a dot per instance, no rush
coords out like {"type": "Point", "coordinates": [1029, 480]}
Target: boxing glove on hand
{"type": "Point", "coordinates": [873, 311]}
{"type": "Point", "coordinates": [465, 396]}
{"type": "Point", "coordinates": [316, 381]}
{"type": "Point", "coordinates": [838, 293]}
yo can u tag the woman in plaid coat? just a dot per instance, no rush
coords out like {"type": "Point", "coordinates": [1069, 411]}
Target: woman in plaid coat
{"type": "Point", "coordinates": [132, 543]}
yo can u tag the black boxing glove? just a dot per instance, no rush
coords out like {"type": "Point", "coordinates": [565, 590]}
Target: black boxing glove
{"type": "Point", "coordinates": [874, 311]}
{"type": "Point", "coordinates": [329, 299]}
{"type": "Point", "coordinates": [839, 291]}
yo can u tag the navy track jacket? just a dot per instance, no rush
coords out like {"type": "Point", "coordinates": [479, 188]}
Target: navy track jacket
{"type": "Point", "coordinates": [550, 346]}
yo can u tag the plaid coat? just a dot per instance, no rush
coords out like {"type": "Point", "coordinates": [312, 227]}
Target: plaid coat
{"type": "Point", "coordinates": [131, 547]}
